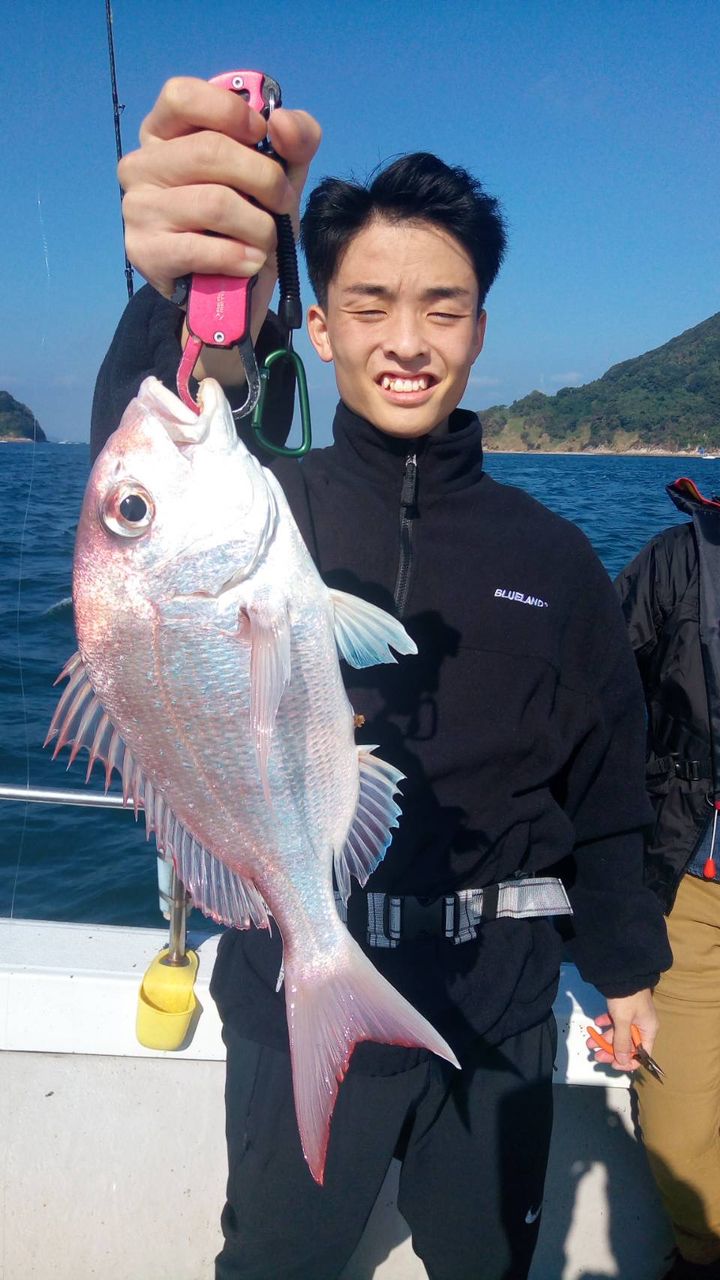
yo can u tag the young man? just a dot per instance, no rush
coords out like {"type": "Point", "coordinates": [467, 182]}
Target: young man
{"type": "Point", "coordinates": [519, 726]}
{"type": "Point", "coordinates": [670, 598]}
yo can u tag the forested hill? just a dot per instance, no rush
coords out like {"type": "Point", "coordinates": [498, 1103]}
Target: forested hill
{"type": "Point", "coordinates": [665, 400]}
{"type": "Point", "coordinates": [17, 422]}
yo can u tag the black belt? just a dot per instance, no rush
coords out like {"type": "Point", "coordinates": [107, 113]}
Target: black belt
{"type": "Point", "coordinates": [392, 919]}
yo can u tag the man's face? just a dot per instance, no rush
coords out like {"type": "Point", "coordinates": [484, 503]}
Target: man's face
{"type": "Point", "coordinates": [401, 325]}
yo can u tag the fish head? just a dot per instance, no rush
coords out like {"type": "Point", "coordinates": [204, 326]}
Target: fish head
{"type": "Point", "coordinates": [175, 506]}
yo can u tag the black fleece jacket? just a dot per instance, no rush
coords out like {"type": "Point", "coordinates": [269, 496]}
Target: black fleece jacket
{"type": "Point", "coordinates": [519, 725]}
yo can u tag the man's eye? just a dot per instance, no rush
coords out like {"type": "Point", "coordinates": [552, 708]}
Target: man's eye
{"type": "Point", "coordinates": [445, 315]}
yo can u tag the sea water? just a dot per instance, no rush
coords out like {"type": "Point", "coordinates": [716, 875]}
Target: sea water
{"type": "Point", "coordinates": [85, 865]}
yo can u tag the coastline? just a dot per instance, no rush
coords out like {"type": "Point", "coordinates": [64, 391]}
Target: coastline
{"type": "Point", "coordinates": [489, 448]}
{"type": "Point", "coordinates": [604, 453]}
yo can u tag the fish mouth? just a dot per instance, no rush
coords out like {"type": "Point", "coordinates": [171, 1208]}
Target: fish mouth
{"type": "Point", "coordinates": [212, 426]}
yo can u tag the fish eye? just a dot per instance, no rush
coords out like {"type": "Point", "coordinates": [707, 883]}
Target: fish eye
{"type": "Point", "coordinates": [128, 510]}
{"type": "Point", "coordinates": [134, 508]}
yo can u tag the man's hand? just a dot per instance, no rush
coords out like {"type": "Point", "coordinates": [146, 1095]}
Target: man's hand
{"type": "Point", "coordinates": [195, 171]}
{"type": "Point", "coordinates": [636, 1010]}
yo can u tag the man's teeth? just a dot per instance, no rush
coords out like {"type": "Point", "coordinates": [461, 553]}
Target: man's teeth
{"type": "Point", "coordinates": [404, 384]}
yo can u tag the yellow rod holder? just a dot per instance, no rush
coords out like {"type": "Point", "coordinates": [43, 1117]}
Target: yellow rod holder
{"type": "Point", "coordinates": [166, 1000]}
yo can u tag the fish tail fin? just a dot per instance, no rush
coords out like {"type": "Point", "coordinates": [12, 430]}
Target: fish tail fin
{"type": "Point", "coordinates": [326, 1019]}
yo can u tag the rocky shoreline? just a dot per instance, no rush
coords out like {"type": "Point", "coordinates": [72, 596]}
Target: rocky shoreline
{"type": "Point", "coordinates": [604, 453]}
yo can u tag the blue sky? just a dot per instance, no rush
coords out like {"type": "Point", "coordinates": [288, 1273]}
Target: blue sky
{"type": "Point", "coordinates": [596, 124]}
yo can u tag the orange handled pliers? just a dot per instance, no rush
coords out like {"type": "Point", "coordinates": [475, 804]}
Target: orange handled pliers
{"type": "Point", "coordinates": [640, 1052]}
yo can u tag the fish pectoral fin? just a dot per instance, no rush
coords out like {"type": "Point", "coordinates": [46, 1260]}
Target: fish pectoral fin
{"type": "Point", "coordinates": [371, 829]}
{"type": "Point", "coordinates": [364, 633]}
{"type": "Point", "coordinates": [269, 674]}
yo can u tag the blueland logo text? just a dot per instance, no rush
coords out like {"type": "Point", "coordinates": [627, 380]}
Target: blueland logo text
{"type": "Point", "coordinates": [521, 598]}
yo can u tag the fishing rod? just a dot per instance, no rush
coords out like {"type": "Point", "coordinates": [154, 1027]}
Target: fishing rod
{"type": "Point", "coordinates": [118, 108]}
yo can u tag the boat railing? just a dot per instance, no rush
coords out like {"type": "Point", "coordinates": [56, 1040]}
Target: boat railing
{"type": "Point", "coordinates": [173, 898]}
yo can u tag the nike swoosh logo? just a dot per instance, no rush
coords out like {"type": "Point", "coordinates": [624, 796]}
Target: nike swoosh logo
{"type": "Point", "coordinates": [533, 1214]}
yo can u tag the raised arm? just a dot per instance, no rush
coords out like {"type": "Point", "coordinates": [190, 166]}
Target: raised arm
{"type": "Point", "coordinates": [196, 171]}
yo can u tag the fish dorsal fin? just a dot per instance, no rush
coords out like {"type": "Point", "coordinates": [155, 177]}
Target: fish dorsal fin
{"type": "Point", "coordinates": [269, 677]}
{"type": "Point", "coordinates": [81, 721]}
{"type": "Point", "coordinates": [214, 888]}
{"type": "Point", "coordinates": [365, 633]}
{"type": "Point", "coordinates": [371, 830]}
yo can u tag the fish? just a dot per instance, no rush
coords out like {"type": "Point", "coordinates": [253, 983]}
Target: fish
{"type": "Point", "coordinates": [208, 677]}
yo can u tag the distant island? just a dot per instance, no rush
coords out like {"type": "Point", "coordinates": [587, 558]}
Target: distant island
{"type": "Point", "coordinates": [666, 401]}
{"type": "Point", "coordinates": [17, 422]}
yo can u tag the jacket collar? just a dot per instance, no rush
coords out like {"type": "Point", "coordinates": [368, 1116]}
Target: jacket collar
{"type": "Point", "coordinates": [688, 498]}
{"type": "Point", "coordinates": [447, 461]}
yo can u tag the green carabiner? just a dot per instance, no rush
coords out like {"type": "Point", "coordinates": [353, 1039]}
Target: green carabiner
{"type": "Point", "coordinates": [257, 418]}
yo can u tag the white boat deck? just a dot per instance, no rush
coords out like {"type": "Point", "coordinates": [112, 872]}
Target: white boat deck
{"type": "Point", "coordinates": [113, 1154]}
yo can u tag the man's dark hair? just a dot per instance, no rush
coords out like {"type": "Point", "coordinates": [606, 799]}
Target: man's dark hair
{"type": "Point", "coordinates": [417, 187]}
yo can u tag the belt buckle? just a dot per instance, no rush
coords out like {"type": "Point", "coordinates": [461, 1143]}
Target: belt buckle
{"type": "Point", "coordinates": [422, 920]}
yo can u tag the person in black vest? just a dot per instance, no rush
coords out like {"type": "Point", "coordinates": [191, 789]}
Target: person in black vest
{"type": "Point", "coordinates": [671, 598]}
{"type": "Point", "coordinates": [519, 726]}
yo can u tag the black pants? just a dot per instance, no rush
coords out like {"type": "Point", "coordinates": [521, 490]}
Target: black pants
{"type": "Point", "coordinates": [475, 1147]}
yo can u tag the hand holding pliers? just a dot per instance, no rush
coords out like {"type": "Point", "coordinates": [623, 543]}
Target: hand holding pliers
{"type": "Point", "coordinates": [597, 1040]}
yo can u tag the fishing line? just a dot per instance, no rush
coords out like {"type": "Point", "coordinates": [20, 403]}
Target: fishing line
{"type": "Point", "coordinates": [21, 558]}
{"type": "Point", "coordinates": [26, 806]}
{"type": "Point", "coordinates": [118, 108]}
{"type": "Point", "coordinates": [44, 309]}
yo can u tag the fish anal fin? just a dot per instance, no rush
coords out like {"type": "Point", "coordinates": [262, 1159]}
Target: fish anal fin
{"type": "Point", "coordinates": [370, 832]}
{"type": "Point", "coordinates": [365, 634]}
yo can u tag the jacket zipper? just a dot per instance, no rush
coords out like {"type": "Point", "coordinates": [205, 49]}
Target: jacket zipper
{"type": "Point", "coordinates": [408, 511]}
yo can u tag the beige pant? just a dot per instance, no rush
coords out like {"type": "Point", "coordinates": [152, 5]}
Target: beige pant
{"type": "Point", "coordinates": [680, 1118]}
